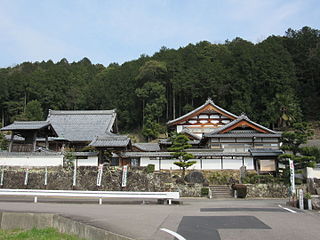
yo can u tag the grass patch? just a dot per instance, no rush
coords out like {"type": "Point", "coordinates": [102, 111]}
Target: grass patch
{"type": "Point", "coordinates": [35, 234]}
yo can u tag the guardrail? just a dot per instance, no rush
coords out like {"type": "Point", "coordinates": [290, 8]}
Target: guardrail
{"type": "Point", "coordinates": [89, 194]}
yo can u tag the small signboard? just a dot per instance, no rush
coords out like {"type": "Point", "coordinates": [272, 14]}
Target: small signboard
{"type": "Point", "coordinates": [293, 189]}
{"type": "Point", "coordinates": [300, 198]}
{"type": "Point", "coordinates": [99, 176]}
{"type": "Point", "coordinates": [124, 176]}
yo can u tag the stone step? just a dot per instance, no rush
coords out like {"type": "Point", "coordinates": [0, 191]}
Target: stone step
{"type": "Point", "coordinates": [221, 191]}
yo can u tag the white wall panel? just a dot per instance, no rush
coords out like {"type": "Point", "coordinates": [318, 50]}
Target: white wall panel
{"type": "Point", "coordinates": [229, 163]}
{"type": "Point", "coordinates": [248, 162]}
{"type": "Point", "coordinates": [90, 161]}
{"type": "Point", "coordinates": [211, 164]}
{"type": "Point", "coordinates": [31, 161]}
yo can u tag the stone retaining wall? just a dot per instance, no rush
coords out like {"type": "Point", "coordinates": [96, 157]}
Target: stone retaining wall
{"type": "Point", "coordinates": [270, 190]}
{"type": "Point", "coordinates": [138, 180]}
{"type": "Point", "coordinates": [62, 179]}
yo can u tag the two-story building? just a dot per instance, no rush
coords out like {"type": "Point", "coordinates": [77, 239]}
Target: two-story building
{"type": "Point", "coordinates": [219, 139]}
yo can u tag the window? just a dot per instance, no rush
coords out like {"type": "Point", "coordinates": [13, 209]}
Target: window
{"type": "Point", "coordinates": [215, 146]}
{"type": "Point", "coordinates": [135, 162]}
{"type": "Point", "coordinates": [267, 165]}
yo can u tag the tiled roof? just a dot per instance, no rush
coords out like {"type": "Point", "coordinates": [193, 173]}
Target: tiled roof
{"type": "Point", "coordinates": [265, 152]}
{"type": "Point", "coordinates": [15, 138]}
{"type": "Point", "coordinates": [243, 135]}
{"type": "Point", "coordinates": [110, 140]}
{"type": "Point", "coordinates": [26, 125]}
{"type": "Point", "coordinates": [196, 154]}
{"type": "Point", "coordinates": [209, 101]}
{"type": "Point", "coordinates": [148, 147]}
{"type": "Point", "coordinates": [168, 142]}
{"type": "Point", "coordinates": [239, 119]}
{"type": "Point", "coordinates": [31, 154]}
{"type": "Point", "coordinates": [188, 132]}
{"type": "Point", "coordinates": [82, 125]}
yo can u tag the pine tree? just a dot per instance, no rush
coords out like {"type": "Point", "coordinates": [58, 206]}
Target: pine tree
{"type": "Point", "coordinates": [179, 145]}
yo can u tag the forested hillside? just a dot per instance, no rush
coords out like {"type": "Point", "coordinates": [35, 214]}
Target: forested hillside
{"type": "Point", "coordinates": [275, 82]}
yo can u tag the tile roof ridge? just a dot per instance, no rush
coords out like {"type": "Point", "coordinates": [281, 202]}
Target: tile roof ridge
{"type": "Point", "coordinates": [80, 112]}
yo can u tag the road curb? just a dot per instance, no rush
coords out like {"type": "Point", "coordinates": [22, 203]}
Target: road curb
{"type": "Point", "coordinates": [18, 220]}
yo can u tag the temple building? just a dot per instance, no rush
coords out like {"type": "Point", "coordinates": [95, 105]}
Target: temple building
{"type": "Point", "coordinates": [219, 140]}
{"type": "Point", "coordinates": [66, 130]}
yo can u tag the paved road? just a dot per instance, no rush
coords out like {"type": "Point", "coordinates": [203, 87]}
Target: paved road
{"type": "Point", "coordinates": [196, 219]}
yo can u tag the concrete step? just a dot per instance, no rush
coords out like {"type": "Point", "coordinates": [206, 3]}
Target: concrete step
{"type": "Point", "coordinates": [221, 191]}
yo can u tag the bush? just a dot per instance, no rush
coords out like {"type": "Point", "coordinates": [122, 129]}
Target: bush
{"type": "Point", "coordinates": [204, 191]}
{"type": "Point", "coordinates": [220, 178]}
{"type": "Point", "coordinates": [241, 190]}
{"type": "Point", "coordinates": [150, 168]}
{"type": "Point", "coordinates": [255, 178]}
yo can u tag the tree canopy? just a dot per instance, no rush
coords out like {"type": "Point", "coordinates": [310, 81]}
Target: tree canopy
{"type": "Point", "coordinates": [276, 82]}
{"type": "Point", "coordinates": [178, 147]}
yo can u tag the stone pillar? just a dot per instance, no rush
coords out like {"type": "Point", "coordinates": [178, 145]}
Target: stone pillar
{"type": "Point", "coordinates": [11, 141]}
{"type": "Point", "coordinates": [34, 143]}
{"type": "Point", "coordinates": [47, 142]}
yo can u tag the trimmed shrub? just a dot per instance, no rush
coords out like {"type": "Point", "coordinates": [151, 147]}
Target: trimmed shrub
{"type": "Point", "coordinates": [204, 191]}
{"type": "Point", "coordinates": [255, 178]}
{"type": "Point", "coordinates": [150, 168]}
{"type": "Point", "coordinates": [220, 178]}
{"type": "Point", "coordinates": [241, 190]}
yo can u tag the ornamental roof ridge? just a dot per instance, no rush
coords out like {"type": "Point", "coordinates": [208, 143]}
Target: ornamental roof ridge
{"type": "Point", "coordinates": [240, 118]}
{"type": "Point", "coordinates": [208, 101]}
{"type": "Point", "coordinates": [81, 112]}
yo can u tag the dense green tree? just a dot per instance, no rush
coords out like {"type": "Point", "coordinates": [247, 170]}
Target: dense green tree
{"type": "Point", "coordinates": [178, 148]}
{"type": "Point", "coordinates": [3, 142]}
{"type": "Point", "coordinates": [304, 47]}
{"type": "Point", "coordinates": [276, 82]}
{"type": "Point", "coordinates": [34, 111]}
{"type": "Point", "coordinates": [299, 134]}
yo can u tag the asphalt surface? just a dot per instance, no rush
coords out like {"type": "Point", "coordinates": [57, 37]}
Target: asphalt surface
{"type": "Point", "coordinates": [196, 219]}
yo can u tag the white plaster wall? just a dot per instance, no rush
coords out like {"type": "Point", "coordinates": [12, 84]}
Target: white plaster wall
{"type": "Point", "coordinates": [248, 162]}
{"type": "Point", "coordinates": [169, 164]}
{"type": "Point", "coordinates": [90, 161]}
{"type": "Point", "coordinates": [229, 163]}
{"type": "Point", "coordinates": [144, 161]}
{"type": "Point", "coordinates": [32, 161]}
{"type": "Point", "coordinates": [313, 173]}
{"type": "Point", "coordinates": [197, 165]}
{"type": "Point", "coordinates": [211, 164]}
{"type": "Point", "coordinates": [207, 164]}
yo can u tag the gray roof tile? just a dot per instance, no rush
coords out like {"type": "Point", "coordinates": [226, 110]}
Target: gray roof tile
{"type": "Point", "coordinates": [110, 140]}
{"type": "Point", "coordinates": [82, 125]}
{"type": "Point", "coordinates": [26, 125]}
{"type": "Point", "coordinates": [256, 152]}
{"type": "Point", "coordinates": [196, 154]}
{"type": "Point", "coordinates": [240, 118]}
{"type": "Point", "coordinates": [148, 147]}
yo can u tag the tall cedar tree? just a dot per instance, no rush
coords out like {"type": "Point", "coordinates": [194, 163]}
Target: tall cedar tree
{"type": "Point", "coordinates": [270, 81]}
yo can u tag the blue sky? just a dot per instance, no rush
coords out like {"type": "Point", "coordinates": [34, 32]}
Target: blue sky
{"type": "Point", "coordinates": [121, 30]}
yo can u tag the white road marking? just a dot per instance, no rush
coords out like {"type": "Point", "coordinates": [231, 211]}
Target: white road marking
{"type": "Point", "coordinates": [288, 209]}
{"type": "Point", "coordinates": [176, 235]}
